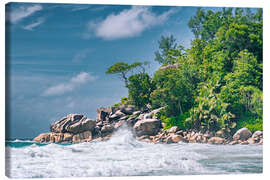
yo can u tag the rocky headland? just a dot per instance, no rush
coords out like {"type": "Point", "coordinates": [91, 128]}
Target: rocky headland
{"type": "Point", "coordinates": [144, 124]}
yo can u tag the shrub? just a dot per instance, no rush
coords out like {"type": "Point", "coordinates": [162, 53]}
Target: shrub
{"type": "Point", "coordinates": [123, 101]}
{"type": "Point", "coordinates": [175, 121]}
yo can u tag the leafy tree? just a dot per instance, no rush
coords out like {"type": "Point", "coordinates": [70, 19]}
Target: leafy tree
{"type": "Point", "coordinates": [122, 69]}
{"type": "Point", "coordinates": [246, 72]}
{"type": "Point", "coordinates": [140, 87]}
{"type": "Point", "coordinates": [211, 112]}
{"type": "Point", "coordinates": [195, 22]}
{"type": "Point", "coordinates": [175, 88]}
{"type": "Point", "coordinates": [214, 85]}
{"type": "Point", "coordinates": [166, 44]}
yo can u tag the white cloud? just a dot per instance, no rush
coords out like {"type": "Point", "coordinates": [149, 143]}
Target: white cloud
{"type": "Point", "coordinates": [81, 55]}
{"type": "Point", "coordinates": [71, 85]}
{"type": "Point", "coordinates": [19, 13]}
{"type": "Point", "coordinates": [35, 24]}
{"type": "Point", "coordinates": [82, 78]}
{"type": "Point", "coordinates": [128, 23]}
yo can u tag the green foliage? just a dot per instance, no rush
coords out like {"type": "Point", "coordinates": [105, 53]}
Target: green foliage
{"type": "Point", "coordinates": [245, 80]}
{"type": "Point", "coordinates": [175, 88]}
{"type": "Point", "coordinates": [124, 100]}
{"type": "Point", "coordinates": [251, 122]}
{"type": "Point", "coordinates": [122, 69]}
{"type": "Point", "coordinates": [210, 113]}
{"type": "Point", "coordinates": [216, 84]}
{"type": "Point", "coordinates": [140, 87]}
{"type": "Point", "coordinates": [175, 121]}
{"type": "Point", "coordinates": [166, 44]}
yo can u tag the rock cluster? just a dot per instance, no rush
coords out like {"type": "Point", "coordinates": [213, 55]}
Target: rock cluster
{"type": "Point", "coordinates": [78, 128]}
{"type": "Point", "coordinates": [144, 124]}
{"type": "Point", "coordinates": [175, 135]}
{"type": "Point", "coordinates": [72, 128]}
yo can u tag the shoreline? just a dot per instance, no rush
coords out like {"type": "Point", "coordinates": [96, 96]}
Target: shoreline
{"type": "Point", "coordinates": [144, 125]}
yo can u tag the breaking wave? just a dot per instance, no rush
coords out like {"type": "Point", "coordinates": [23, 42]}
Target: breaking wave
{"type": "Point", "coordinates": [123, 155]}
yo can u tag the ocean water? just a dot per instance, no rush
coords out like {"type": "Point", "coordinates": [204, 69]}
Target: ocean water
{"type": "Point", "coordinates": [123, 155]}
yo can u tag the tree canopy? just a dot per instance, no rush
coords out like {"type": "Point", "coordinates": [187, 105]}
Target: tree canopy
{"type": "Point", "coordinates": [216, 84]}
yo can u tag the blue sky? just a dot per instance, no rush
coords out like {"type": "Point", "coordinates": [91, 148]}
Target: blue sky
{"type": "Point", "coordinates": [58, 55]}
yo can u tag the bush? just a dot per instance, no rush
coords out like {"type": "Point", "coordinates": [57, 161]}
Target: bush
{"type": "Point", "coordinates": [139, 89]}
{"type": "Point", "coordinates": [123, 101]}
{"type": "Point", "coordinates": [175, 121]}
{"type": "Point", "coordinates": [253, 124]}
{"type": "Point", "coordinates": [211, 112]}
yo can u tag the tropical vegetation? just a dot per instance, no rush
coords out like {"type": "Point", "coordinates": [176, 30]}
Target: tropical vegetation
{"type": "Point", "coordinates": [216, 84]}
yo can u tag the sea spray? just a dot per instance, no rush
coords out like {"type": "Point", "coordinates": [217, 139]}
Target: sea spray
{"type": "Point", "coordinates": [123, 155]}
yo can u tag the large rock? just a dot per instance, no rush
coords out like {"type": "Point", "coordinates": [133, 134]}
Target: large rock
{"type": "Point", "coordinates": [117, 115]}
{"type": "Point", "coordinates": [216, 140]}
{"type": "Point", "coordinates": [257, 136]}
{"type": "Point", "coordinates": [81, 126]}
{"type": "Point", "coordinates": [73, 123]}
{"type": "Point", "coordinates": [147, 127]}
{"type": "Point", "coordinates": [82, 137]}
{"type": "Point", "coordinates": [131, 121]}
{"type": "Point", "coordinates": [44, 137]}
{"type": "Point", "coordinates": [128, 109]}
{"type": "Point", "coordinates": [174, 138]}
{"type": "Point", "coordinates": [67, 137]}
{"type": "Point", "coordinates": [118, 124]}
{"type": "Point", "coordinates": [103, 113]}
{"type": "Point", "coordinates": [53, 137]}
{"type": "Point", "coordinates": [107, 129]}
{"type": "Point", "coordinates": [242, 134]}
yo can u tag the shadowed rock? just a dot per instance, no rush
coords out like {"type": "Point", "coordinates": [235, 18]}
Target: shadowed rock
{"type": "Point", "coordinates": [147, 127]}
{"type": "Point", "coordinates": [242, 134]}
{"type": "Point", "coordinates": [73, 123]}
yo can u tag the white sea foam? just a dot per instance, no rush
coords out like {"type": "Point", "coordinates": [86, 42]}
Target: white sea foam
{"type": "Point", "coordinates": [122, 155]}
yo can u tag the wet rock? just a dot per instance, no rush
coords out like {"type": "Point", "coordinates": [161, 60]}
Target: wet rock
{"type": "Point", "coordinates": [58, 137]}
{"type": "Point", "coordinates": [257, 136]}
{"type": "Point", "coordinates": [244, 142]}
{"type": "Point", "coordinates": [193, 137]}
{"type": "Point", "coordinates": [233, 143]}
{"type": "Point", "coordinates": [67, 137]}
{"type": "Point", "coordinates": [73, 123]}
{"type": "Point", "coordinates": [107, 129]}
{"type": "Point", "coordinates": [204, 140]}
{"type": "Point", "coordinates": [131, 121]}
{"type": "Point", "coordinates": [178, 138]}
{"type": "Point", "coordinates": [216, 140]}
{"type": "Point", "coordinates": [242, 134]}
{"type": "Point", "coordinates": [82, 137]}
{"type": "Point", "coordinates": [118, 124]}
{"type": "Point", "coordinates": [44, 137]}
{"type": "Point", "coordinates": [251, 141]}
{"type": "Point", "coordinates": [147, 127]}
